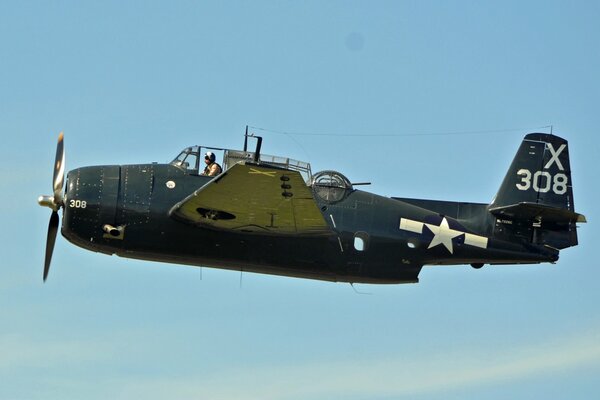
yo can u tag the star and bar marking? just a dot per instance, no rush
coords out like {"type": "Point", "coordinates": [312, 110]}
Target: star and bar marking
{"type": "Point", "coordinates": [443, 234]}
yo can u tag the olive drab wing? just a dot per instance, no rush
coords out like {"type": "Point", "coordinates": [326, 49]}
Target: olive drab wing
{"type": "Point", "coordinates": [253, 198]}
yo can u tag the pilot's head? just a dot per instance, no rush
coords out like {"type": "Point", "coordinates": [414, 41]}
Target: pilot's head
{"type": "Point", "coordinates": [209, 157]}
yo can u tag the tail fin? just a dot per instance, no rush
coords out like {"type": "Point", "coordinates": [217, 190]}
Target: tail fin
{"type": "Point", "coordinates": [537, 192]}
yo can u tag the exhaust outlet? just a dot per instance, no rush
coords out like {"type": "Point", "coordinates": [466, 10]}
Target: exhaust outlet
{"type": "Point", "coordinates": [113, 232]}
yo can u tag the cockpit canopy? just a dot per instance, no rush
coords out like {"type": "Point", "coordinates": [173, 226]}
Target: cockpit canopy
{"type": "Point", "coordinates": [191, 160]}
{"type": "Point", "coordinates": [188, 159]}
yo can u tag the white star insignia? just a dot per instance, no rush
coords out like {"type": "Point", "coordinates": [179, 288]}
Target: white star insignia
{"type": "Point", "coordinates": [443, 235]}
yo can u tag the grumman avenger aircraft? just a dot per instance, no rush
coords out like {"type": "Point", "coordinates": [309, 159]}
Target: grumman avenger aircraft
{"type": "Point", "coordinates": [272, 215]}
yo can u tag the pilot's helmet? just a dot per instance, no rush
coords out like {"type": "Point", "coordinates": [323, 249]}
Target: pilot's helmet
{"type": "Point", "coordinates": [210, 156]}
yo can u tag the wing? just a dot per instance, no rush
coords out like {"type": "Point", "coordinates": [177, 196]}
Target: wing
{"type": "Point", "coordinates": [254, 198]}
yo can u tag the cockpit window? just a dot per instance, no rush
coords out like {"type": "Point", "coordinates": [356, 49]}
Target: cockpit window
{"type": "Point", "coordinates": [191, 160]}
{"type": "Point", "coordinates": [187, 160]}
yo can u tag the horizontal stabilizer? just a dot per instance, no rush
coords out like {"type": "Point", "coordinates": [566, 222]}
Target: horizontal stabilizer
{"type": "Point", "coordinates": [535, 211]}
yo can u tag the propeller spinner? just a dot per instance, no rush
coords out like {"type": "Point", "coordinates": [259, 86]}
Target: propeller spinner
{"type": "Point", "coordinates": [54, 202]}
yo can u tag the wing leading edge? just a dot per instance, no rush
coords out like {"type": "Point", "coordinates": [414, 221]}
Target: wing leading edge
{"type": "Point", "coordinates": [254, 198]}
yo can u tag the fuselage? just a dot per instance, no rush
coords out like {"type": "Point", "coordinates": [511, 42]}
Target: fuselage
{"type": "Point", "coordinates": [125, 210]}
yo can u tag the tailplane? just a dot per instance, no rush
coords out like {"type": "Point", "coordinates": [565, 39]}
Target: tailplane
{"type": "Point", "coordinates": [535, 199]}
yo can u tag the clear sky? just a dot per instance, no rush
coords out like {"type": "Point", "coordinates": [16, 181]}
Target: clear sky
{"type": "Point", "coordinates": [137, 81]}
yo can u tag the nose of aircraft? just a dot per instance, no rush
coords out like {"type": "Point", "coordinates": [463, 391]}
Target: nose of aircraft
{"type": "Point", "coordinates": [90, 203]}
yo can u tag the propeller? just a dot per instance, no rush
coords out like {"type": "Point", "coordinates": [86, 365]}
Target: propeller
{"type": "Point", "coordinates": [54, 202]}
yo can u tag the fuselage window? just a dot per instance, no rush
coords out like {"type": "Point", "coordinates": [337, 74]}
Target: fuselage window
{"type": "Point", "coordinates": [361, 241]}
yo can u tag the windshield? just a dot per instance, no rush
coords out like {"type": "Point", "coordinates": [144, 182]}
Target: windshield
{"type": "Point", "coordinates": [187, 159]}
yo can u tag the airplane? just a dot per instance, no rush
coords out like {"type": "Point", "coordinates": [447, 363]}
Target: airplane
{"type": "Point", "coordinates": [272, 215]}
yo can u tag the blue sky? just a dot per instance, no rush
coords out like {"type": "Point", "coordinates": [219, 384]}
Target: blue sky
{"type": "Point", "coordinates": [137, 81]}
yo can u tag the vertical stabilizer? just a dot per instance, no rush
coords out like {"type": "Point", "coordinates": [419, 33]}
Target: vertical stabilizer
{"type": "Point", "coordinates": [537, 192]}
{"type": "Point", "coordinates": [540, 173]}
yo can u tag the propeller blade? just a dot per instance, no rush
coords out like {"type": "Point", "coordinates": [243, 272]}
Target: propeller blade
{"type": "Point", "coordinates": [59, 170]}
{"type": "Point", "coordinates": [52, 231]}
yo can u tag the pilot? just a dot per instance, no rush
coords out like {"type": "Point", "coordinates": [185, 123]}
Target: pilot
{"type": "Point", "coordinates": [212, 167]}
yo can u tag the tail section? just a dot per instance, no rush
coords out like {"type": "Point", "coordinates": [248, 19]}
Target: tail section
{"type": "Point", "coordinates": [536, 196]}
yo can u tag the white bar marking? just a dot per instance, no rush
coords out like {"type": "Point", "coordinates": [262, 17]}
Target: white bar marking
{"type": "Point", "coordinates": [476, 240]}
{"type": "Point", "coordinates": [411, 226]}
